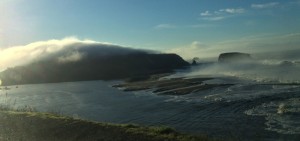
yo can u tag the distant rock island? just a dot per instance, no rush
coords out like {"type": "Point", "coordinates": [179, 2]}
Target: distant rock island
{"type": "Point", "coordinates": [232, 57]}
{"type": "Point", "coordinates": [92, 68]}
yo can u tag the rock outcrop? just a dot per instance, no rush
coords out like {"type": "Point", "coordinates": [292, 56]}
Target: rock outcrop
{"type": "Point", "coordinates": [232, 57]}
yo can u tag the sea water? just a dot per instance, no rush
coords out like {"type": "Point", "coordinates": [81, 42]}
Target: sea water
{"type": "Point", "coordinates": [244, 111]}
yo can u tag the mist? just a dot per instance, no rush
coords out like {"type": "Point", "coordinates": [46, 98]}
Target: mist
{"type": "Point", "coordinates": [265, 46]}
{"type": "Point", "coordinates": [275, 58]}
{"type": "Point", "coordinates": [62, 51]}
{"type": "Point", "coordinates": [261, 71]}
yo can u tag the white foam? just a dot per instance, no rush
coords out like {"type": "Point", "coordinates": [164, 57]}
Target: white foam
{"type": "Point", "coordinates": [282, 116]}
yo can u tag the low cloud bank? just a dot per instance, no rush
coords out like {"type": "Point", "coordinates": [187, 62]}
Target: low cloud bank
{"type": "Point", "coordinates": [65, 50]}
{"type": "Point", "coordinates": [275, 58]}
{"type": "Point", "coordinates": [263, 71]}
{"type": "Point", "coordinates": [271, 47]}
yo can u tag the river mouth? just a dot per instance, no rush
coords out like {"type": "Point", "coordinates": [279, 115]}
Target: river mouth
{"type": "Point", "coordinates": [232, 107]}
{"type": "Point", "coordinates": [241, 107]}
{"type": "Point", "coordinates": [264, 92]}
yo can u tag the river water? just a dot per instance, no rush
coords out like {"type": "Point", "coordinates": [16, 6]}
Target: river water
{"type": "Point", "coordinates": [245, 111]}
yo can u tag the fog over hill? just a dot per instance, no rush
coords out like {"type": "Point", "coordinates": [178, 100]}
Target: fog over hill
{"type": "Point", "coordinates": [65, 50]}
{"type": "Point", "coordinates": [74, 60]}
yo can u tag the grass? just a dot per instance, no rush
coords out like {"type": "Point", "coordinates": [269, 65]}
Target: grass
{"type": "Point", "coordinates": [26, 124]}
{"type": "Point", "coordinates": [35, 126]}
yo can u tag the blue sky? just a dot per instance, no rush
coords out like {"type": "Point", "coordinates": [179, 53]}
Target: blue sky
{"type": "Point", "coordinates": [166, 25]}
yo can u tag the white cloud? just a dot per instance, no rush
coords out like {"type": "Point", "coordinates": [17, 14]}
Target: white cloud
{"type": "Point", "coordinates": [195, 49]}
{"type": "Point", "coordinates": [265, 5]}
{"type": "Point", "coordinates": [165, 26]}
{"type": "Point", "coordinates": [65, 50]}
{"type": "Point", "coordinates": [206, 13]}
{"type": "Point", "coordinates": [197, 44]}
{"type": "Point", "coordinates": [72, 57]}
{"type": "Point", "coordinates": [221, 14]}
{"type": "Point", "coordinates": [233, 11]}
{"type": "Point", "coordinates": [218, 18]}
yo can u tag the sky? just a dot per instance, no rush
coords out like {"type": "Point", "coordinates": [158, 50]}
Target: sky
{"type": "Point", "coordinates": [190, 28]}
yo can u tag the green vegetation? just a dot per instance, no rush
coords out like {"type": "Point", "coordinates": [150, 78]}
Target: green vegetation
{"type": "Point", "coordinates": [34, 126]}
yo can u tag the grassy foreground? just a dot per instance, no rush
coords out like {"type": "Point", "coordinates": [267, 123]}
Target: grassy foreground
{"type": "Point", "coordinates": [34, 126]}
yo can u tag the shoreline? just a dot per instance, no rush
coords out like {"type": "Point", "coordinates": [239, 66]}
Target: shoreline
{"type": "Point", "coordinates": [36, 126]}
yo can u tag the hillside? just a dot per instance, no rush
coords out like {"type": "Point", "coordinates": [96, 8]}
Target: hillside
{"type": "Point", "coordinates": [92, 67]}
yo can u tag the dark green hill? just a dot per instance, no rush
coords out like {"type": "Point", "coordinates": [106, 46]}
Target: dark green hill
{"type": "Point", "coordinates": [92, 68]}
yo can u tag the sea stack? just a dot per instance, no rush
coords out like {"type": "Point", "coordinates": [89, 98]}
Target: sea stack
{"type": "Point", "coordinates": [232, 57]}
